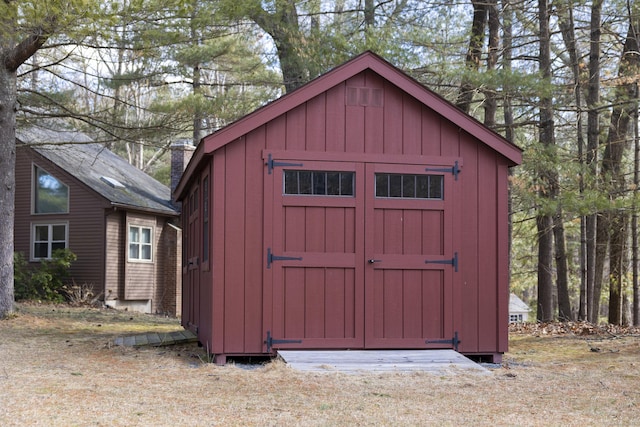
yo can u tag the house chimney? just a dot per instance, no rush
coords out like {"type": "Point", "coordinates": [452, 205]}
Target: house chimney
{"type": "Point", "coordinates": [181, 152]}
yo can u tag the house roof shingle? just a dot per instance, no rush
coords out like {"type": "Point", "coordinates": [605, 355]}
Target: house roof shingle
{"type": "Point", "coordinates": [100, 169]}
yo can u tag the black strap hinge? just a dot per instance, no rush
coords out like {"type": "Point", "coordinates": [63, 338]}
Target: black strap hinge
{"type": "Point", "coordinates": [271, 258]}
{"type": "Point", "coordinates": [274, 164]}
{"type": "Point", "coordinates": [455, 170]}
{"type": "Point", "coordinates": [453, 261]}
{"type": "Point", "coordinates": [270, 341]}
{"type": "Point", "coordinates": [453, 341]}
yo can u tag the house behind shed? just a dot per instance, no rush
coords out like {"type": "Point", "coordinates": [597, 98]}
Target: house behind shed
{"type": "Point", "coordinates": [120, 223]}
{"type": "Point", "coordinates": [361, 211]}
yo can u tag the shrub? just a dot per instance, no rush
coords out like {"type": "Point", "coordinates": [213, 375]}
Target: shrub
{"type": "Point", "coordinates": [80, 294]}
{"type": "Point", "coordinates": [45, 282]}
{"type": "Point", "coordinates": [22, 286]}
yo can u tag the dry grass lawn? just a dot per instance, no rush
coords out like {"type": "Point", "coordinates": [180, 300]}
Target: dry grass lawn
{"type": "Point", "coordinates": [58, 368]}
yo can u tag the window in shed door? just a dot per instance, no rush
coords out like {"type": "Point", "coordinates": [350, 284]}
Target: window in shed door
{"type": "Point", "coordinates": [319, 183]}
{"type": "Point", "coordinates": [405, 186]}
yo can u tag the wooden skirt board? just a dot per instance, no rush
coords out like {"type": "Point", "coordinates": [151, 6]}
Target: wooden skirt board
{"type": "Point", "coordinates": [354, 361]}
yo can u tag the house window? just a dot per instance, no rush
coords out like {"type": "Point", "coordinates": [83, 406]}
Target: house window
{"type": "Point", "coordinates": [46, 238]}
{"type": "Point", "coordinates": [319, 183]}
{"type": "Point", "coordinates": [514, 318]}
{"type": "Point", "coordinates": [410, 186]}
{"type": "Point", "coordinates": [140, 239]}
{"type": "Point", "coordinates": [49, 194]}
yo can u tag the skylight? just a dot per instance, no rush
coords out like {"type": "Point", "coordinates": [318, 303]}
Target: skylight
{"type": "Point", "coordinates": [112, 182]}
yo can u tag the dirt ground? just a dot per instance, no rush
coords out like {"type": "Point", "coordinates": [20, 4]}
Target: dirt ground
{"type": "Point", "coordinates": [59, 368]}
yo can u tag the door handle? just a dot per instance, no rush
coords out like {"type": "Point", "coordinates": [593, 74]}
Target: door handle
{"type": "Point", "coordinates": [371, 261]}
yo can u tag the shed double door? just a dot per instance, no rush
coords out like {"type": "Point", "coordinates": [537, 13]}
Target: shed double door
{"type": "Point", "coordinates": [357, 267]}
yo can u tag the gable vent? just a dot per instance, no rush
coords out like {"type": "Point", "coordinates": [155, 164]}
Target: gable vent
{"type": "Point", "coordinates": [364, 96]}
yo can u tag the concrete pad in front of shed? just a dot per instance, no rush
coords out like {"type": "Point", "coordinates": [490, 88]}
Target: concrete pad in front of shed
{"type": "Point", "coordinates": [353, 361]}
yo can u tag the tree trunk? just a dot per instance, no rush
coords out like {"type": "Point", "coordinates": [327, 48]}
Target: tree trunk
{"type": "Point", "coordinates": [562, 272]}
{"type": "Point", "coordinates": [196, 85]}
{"type": "Point", "coordinates": [282, 25]}
{"type": "Point", "coordinates": [7, 186]}
{"type": "Point", "coordinates": [612, 173]}
{"type": "Point", "coordinates": [567, 25]}
{"type": "Point", "coordinates": [507, 56]}
{"type": "Point", "coordinates": [617, 268]}
{"type": "Point", "coordinates": [635, 315]}
{"type": "Point", "coordinates": [545, 262]}
{"type": "Point", "coordinates": [472, 61]}
{"type": "Point", "coordinates": [548, 176]}
{"type": "Point", "coordinates": [591, 158]}
{"type": "Point", "coordinates": [369, 15]}
{"type": "Point", "coordinates": [490, 98]}
{"type": "Point", "coordinates": [602, 249]}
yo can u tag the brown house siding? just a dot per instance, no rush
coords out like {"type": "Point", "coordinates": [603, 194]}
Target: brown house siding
{"type": "Point", "coordinates": [168, 296]}
{"type": "Point", "coordinates": [140, 276]}
{"type": "Point", "coordinates": [85, 218]}
{"type": "Point", "coordinates": [115, 242]}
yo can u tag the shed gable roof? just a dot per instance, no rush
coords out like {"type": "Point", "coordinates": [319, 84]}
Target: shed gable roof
{"type": "Point", "coordinates": [100, 169]}
{"type": "Point", "coordinates": [517, 305]}
{"type": "Point", "coordinates": [365, 61]}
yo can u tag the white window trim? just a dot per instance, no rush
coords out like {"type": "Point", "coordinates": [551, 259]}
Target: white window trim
{"type": "Point", "coordinates": [32, 239]}
{"type": "Point", "coordinates": [33, 192]}
{"type": "Point", "coordinates": [132, 225]}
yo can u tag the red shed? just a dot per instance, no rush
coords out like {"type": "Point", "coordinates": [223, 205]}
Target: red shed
{"type": "Point", "coordinates": [361, 211]}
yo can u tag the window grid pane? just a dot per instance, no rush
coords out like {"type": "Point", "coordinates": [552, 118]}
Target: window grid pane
{"type": "Point", "coordinates": [146, 236]}
{"type": "Point", "coordinates": [134, 234]}
{"type": "Point", "coordinates": [408, 186]}
{"type": "Point", "coordinates": [318, 183]}
{"type": "Point", "coordinates": [145, 252]}
{"type": "Point", "coordinates": [48, 238]}
{"type": "Point", "coordinates": [42, 233]}
{"type": "Point", "coordinates": [134, 251]}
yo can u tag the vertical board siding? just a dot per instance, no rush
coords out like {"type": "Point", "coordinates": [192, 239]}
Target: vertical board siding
{"type": "Point", "coordinates": [450, 139]}
{"type": "Point", "coordinates": [254, 255]}
{"type": "Point", "coordinates": [314, 302]}
{"type": "Point", "coordinates": [411, 126]}
{"type": "Point", "coordinates": [392, 122]}
{"type": "Point", "coordinates": [316, 124]}
{"type": "Point", "coordinates": [502, 179]}
{"type": "Point", "coordinates": [374, 118]}
{"type": "Point", "coordinates": [335, 119]}
{"type": "Point", "coordinates": [431, 132]}
{"type": "Point", "coordinates": [234, 238]}
{"type": "Point", "coordinates": [216, 337]}
{"type": "Point", "coordinates": [276, 133]}
{"type": "Point", "coordinates": [205, 298]}
{"type": "Point", "coordinates": [470, 248]}
{"type": "Point", "coordinates": [433, 303]}
{"type": "Point", "coordinates": [488, 253]}
{"type": "Point", "coordinates": [297, 120]}
{"type": "Point", "coordinates": [355, 125]}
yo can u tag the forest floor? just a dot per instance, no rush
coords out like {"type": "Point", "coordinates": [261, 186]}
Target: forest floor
{"type": "Point", "coordinates": [58, 367]}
